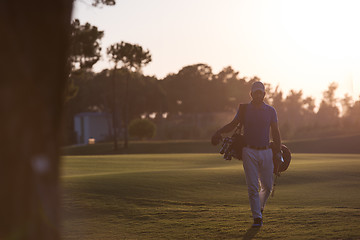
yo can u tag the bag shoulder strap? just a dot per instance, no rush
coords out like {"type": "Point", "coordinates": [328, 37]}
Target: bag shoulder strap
{"type": "Point", "coordinates": [242, 112]}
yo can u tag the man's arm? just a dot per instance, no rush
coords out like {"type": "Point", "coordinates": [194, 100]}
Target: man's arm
{"type": "Point", "coordinates": [275, 132]}
{"type": "Point", "coordinates": [227, 128]}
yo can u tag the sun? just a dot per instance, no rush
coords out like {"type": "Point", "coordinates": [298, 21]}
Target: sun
{"type": "Point", "coordinates": [326, 32]}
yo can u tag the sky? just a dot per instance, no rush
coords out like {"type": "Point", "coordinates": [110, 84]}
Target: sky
{"type": "Point", "coordinates": [296, 45]}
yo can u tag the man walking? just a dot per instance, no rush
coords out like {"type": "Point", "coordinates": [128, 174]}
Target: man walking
{"type": "Point", "coordinates": [257, 155]}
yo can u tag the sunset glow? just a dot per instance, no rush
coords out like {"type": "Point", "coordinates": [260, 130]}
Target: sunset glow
{"type": "Point", "coordinates": [300, 45]}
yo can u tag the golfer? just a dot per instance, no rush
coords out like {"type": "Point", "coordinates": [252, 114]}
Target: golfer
{"type": "Point", "coordinates": [257, 155]}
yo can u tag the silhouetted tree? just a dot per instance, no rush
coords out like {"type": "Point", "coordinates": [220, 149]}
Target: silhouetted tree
{"type": "Point", "coordinates": [309, 112]}
{"type": "Point", "coordinates": [328, 114]}
{"type": "Point", "coordinates": [85, 45]}
{"type": "Point", "coordinates": [351, 114]}
{"type": "Point", "coordinates": [84, 52]}
{"type": "Point", "coordinates": [309, 104]}
{"type": "Point", "coordinates": [346, 104]}
{"type": "Point", "coordinates": [150, 96]}
{"type": "Point", "coordinates": [189, 89]}
{"type": "Point", "coordinates": [97, 3]}
{"type": "Point", "coordinates": [234, 90]}
{"type": "Point", "coordinates": [275, 98]}
{"type": "Point", "coordinates": [133, 57]}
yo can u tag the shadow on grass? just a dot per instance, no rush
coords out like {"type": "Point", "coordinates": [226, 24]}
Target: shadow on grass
{"type": "Point", "coordinates": [250, 233]}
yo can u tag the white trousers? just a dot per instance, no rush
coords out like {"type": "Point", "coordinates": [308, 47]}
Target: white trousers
{"type": "Point", "coordinates": [258, 167]}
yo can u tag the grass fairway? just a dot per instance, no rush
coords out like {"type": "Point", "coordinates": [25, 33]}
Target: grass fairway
{"type": "Point", "coordinates": [201, 196]}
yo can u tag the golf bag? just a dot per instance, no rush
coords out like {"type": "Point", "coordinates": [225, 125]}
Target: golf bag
{"type": "Point", "coordinates": [232, 146]}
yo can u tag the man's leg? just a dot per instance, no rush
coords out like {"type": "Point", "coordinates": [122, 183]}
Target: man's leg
{"type": "Point", "coordinates": [250, 164]}
{"type": "Point", "coordinates": [266, 175]}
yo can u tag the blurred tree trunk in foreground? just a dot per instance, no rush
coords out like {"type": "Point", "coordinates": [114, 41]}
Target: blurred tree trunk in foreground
{"type": "Point", "coordinates": [34, 40]}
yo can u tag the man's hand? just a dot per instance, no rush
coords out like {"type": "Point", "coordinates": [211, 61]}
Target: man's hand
{"type": "Point", "coordinates": [278, 160]}
{"type": "Point", "coordinates": [275, 132]}
{"type": "Point", "coordinates": [216, 138]}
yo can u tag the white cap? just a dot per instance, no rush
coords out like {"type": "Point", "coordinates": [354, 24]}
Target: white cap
{"type": "Point", "coordinates": [258, 86]}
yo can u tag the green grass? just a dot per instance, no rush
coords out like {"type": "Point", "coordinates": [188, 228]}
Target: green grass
{"type": "Point", "coordinates": [201, 196]}
{"type": "Point", "coordinates": [339, 144]}
{"type": "Point", "coordinates": [139, 147]}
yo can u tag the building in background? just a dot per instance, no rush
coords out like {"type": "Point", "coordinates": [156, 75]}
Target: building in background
{"type": "Point", "coordinates": [93, 126]}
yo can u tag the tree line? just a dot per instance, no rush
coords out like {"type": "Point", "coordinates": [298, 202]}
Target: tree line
{"type": "Point", "coordinates": [179, 101]}
{"type": "Point", "coordinates": [196, 91]}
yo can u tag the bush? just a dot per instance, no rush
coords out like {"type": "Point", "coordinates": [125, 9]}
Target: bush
{"type": "Point", "coordinates": [142, 128]}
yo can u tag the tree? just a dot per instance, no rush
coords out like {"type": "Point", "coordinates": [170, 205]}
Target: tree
{"type": "Point", "coordinates": [96, 3]}
{"type": "Point", "coordinates": [85, 45]}
{"type": "Point", "coordinates": [133, 57]}
{"type": "Point", "coordinates": [84, 53]}
{"type": "Point", "coordinates": [142, 128]}
{"type": "Point", "coordinates": [33, 78]}
{"type": "Point", "coordinates": [309, 112]}
{"type": "Point", "coordinates": [329, 95]}
{"type": "Point", "coordinates": [150, 96]}
{"type": "Point", "coordinates": [346, 104]}
{"type": "Point", "coordinates": [293, 105]}
{"type": "Point", "coordinates": [189, 89]}
{"type": "Point", "coordinates": [351, 113]}
{"type": "Point", "coordinates": [328, 114]}
{"type": "Point", "coordinates": [99, 3]}
{"type": "Point", "coordinates": [295, 113]}
{"type": "Point", "coordinates": [234, 90]}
